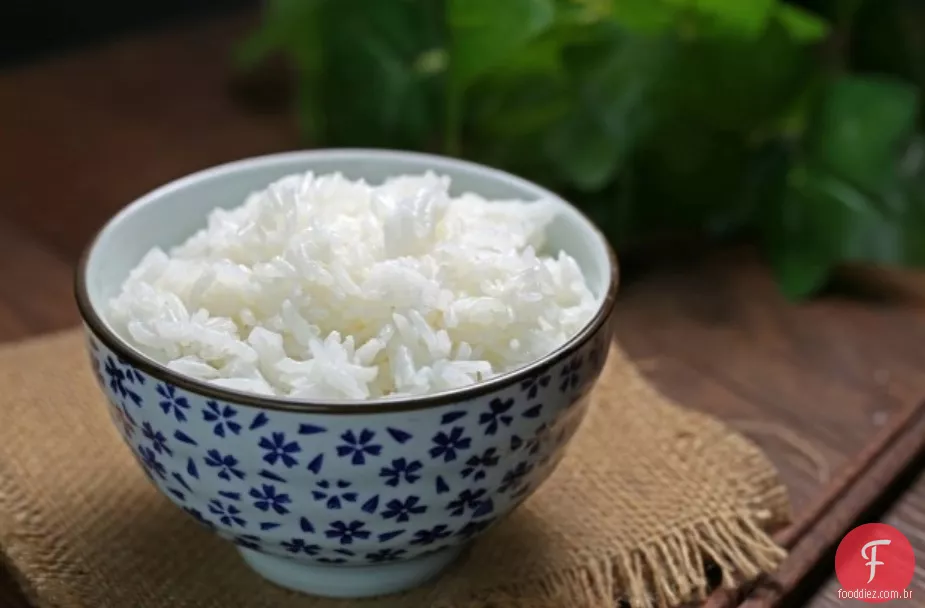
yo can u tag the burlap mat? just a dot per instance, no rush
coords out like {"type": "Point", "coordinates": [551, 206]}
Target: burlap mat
{"type": "Point", "coordinates": [648, 493]}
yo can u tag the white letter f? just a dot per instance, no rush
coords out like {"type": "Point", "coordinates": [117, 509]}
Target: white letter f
{"type": "Point", "coordinates": [873, 563]}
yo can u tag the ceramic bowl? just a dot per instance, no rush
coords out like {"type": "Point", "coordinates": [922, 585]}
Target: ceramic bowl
{"type": "Point", "coordinates": [346, 499]}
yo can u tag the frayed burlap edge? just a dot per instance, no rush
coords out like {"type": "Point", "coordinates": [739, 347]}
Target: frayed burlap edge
{"type": "Point", "coordinates": [665, 573]}
{"type": "Point", "coordinates": [671, 572]}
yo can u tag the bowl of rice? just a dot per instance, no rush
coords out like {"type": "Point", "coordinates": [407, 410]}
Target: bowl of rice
{"type": "Point", "coordinates": [349, 363]}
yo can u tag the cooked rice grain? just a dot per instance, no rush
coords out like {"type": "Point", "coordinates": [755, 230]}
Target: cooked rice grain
{"type": "Point", "coordinates": [323, 288]}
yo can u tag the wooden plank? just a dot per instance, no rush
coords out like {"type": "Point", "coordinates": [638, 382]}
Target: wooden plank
{"type": "Point", "coordinates": [88, 133]}
{"type": "Point", "coordinates": [896, 283]}
{"type": "Point", "coordinates": [815, 545]}
{"type": "Point", "coordinates": [813, 384]}
{"type": "Point", "coordinates": [810, 383]}
{"type": "Point", "coordinates": [45, 27]}
{"type": "Point", "coordinates": [35, 295]}
{"type": "Point", "coordinates": [818, 529]}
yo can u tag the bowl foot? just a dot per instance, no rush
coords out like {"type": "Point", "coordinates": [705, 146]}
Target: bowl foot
{"type": "Point", "coordinates": [341, 581]}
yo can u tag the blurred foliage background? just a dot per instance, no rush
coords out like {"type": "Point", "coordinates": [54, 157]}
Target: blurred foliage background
{"type": "Point", "coordinates": [795, 124]}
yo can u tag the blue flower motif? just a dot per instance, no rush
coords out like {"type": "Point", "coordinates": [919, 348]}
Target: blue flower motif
{"type": "Point", "coordinates": [172, 401]}
{"type": "Point", "coordinates": [533, 384]}
{"type": "Point", "coordinates": [119, 377]}
{"type": "Point", "coordinates": [279, 449]}
{"type": "Point", "coordinates": [248, 541]}
{"type": "Point", "coordinates": [222, 417]}
{"type": "Point", "coordinates": [298, 545]}
{"type": "Point", "coordinates": [570, 377]}
{"type": "Point", "coordinates": [400, 470]}
{"type": "Point", "coordinates": [228, 515]}
{"type": "Point", "coordinates": [514, 477]}
{"type": "Point", "coordinates": [333, 495]}
{"type": "Point", "coordinates": [402, 511]}
{"type": "Point", "coordinates": [151, 464]}
{"type": "Point", "coordinates": [447, 445]}
{"type": "Point", "coordinates": [467, 499]}
{"type": "Point", "coordinates": [385, 555]}
{"type": "Point", "coordinates": [429, 537]}
{"type": "Point", "coordinates": [226, 465]}
{"type": "Point", "coordinates": [358, 446]}
{"type": "Point", "coordinates": [267, 498]}
{"type": "Point", "coordinates": [496, 414]}
{"type": "Point", "coordinates": [346, 532]}
{"type": "Point", "coordinates": [332, 560]}
{"type": "Point", "coordinates": [157, 439]}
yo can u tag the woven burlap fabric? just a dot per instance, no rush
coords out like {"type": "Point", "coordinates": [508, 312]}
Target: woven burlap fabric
{"type": "Point", "coordinates": [648, 492]}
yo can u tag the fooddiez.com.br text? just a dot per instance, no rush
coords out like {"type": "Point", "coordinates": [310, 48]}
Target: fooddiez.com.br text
{"type": "Point", "coordinates": [874, 594]}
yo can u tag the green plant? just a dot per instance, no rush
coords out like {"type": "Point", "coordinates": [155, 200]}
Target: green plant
{"type": "Point", "coordinates": [795, 124]}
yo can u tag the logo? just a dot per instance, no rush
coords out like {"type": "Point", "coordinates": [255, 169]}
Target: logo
{"type": "Point", "coordinates": [875, 563]}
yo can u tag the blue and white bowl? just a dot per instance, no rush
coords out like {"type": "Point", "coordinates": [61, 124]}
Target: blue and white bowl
{"type": "Point", "coordinates": [343, 500]}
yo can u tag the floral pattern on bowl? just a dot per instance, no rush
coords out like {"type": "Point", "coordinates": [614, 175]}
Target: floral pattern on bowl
{"type": "Point", "coordinates": [351, 488]}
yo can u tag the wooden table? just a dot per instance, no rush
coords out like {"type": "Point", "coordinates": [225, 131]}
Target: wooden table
{"type": "Point", "coordinates": [82, 135]}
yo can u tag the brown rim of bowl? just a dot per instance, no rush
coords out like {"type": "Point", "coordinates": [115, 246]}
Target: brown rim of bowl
{"type": "Point", "coordinates": [345, 407]}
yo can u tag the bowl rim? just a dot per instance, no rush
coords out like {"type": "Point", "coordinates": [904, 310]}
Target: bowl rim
{"type": "Point", "coordinates": [100, 329]}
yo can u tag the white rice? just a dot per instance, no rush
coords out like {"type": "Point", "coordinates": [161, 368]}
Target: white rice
{"type": "Point", "coordinates": [324, 288]}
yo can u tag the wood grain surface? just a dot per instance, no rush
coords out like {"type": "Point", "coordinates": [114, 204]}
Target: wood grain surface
{"type": "Point", "coordinates": [82, 135]}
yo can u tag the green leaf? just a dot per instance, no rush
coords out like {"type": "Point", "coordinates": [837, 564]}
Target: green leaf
{"type": "Point", "coordinates": [645, 16]}
{"type": "Point", "coordinates": [823, 220]}
{"type": "Point", "coordinates": [611, 84]}
{"type": "Point", "coordinates": [379, 84]}
{"type": "Point", "coordinates": [291, 27]}
{"type": "Point", "coordinates": [906, 201]}
{"type": "Point", "coordinates": [806, 233]}
{"type": "Point", "coordinates": [653, 114]}
{"type": "Point", "coordinates": [845, 200]}
{"type": "Point", "coordinates": [539, 57]}
{"type": "Point", "coordinates": [800, 273]}
{"type": "Point", "coordinates": [582, 12]}
{"type": "Point", "coordinates": [286, 25]}
{"type": "Point", "coordinates": [829, 221]}
{"type": "Point", "coordinates": [586, 152]}
{"type": "Point", "coordinates": [486, 32]}
{"type": "Point", "coordinates": [859, 128]}
{"type": "Point", "coordinates": [747, 18]}
{"type": "Point", "coordinates": [802, 25]}
{"type": "Point", "coordinates": [258, 46]}
{"type": "Point", "coordinates": [532, 106]}
{"type": "Point", "coordinates": [735, 84]}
